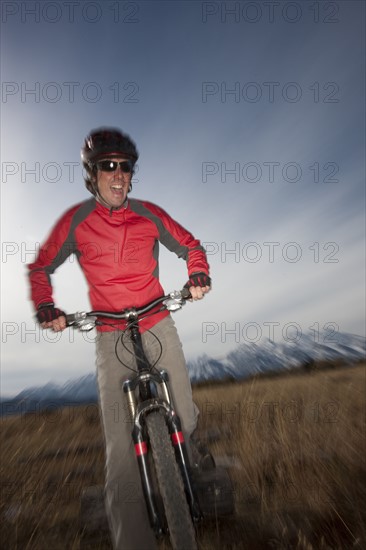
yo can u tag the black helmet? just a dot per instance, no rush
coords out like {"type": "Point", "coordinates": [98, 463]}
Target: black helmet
{"type": "Point", "coordinates": [104, 143]}
{"type": "Point", "coordinates": [108, 142]}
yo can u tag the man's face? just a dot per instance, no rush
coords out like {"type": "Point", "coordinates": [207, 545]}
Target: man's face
{"type": "Point", "coordinates": [114, 186]}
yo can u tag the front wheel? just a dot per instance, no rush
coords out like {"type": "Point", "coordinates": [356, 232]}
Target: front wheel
{"type": "Point", "coordinates": [181, 530]}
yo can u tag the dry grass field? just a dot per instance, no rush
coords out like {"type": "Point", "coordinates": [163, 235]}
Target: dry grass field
{"type": "Point", "coordinates": [294, 446]}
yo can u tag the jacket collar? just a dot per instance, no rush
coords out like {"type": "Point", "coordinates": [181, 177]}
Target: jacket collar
{"type": "Point", "coordinates": [116, 213]}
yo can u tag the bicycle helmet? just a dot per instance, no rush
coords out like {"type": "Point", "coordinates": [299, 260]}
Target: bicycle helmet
{"type": "Point", "coordinates": [105, 143]}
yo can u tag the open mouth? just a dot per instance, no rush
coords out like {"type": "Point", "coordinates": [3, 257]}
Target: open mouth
{"type": "Point", "coordinates": [118, 189]}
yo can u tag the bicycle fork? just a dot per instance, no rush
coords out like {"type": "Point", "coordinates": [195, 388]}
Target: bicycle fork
{"type": "Point", "coordinates": [137, 412]}
{"type": "Point", "coordinates": [180, 448]}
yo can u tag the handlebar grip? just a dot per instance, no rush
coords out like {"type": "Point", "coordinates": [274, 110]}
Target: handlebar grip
{"type": "Point", "coordinates": [185, 293]}
{"type": "Point", "coordinates": [70, 319]}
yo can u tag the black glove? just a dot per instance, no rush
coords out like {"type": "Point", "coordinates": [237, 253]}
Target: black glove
{"type": "Point", "coordinates": [198, 279]}
{"type": "Point", "coordinates": [48, 312]}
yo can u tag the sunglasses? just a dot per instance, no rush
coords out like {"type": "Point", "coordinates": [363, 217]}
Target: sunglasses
{"type": "Point", "coordinates": [112, 165]}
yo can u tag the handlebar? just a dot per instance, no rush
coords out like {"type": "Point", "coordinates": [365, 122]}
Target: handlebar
{"type": "Point", "coordinates": [87, 320]}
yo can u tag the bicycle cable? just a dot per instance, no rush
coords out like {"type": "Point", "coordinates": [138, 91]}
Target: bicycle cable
{"type": "Point", "coordinates": [124, 332]}
{"type": "Point", "coordinates": [120, 340]}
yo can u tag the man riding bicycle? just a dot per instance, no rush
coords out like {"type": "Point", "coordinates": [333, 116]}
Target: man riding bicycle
{"type": "Point", "coordinates": [116, 239]}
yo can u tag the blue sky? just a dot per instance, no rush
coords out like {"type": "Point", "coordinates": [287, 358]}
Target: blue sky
{"type": "Point", "coordinates": [249, 118]}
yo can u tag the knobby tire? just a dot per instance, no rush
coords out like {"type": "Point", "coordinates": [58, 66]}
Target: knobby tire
{"type": "Point", "coordinates": [181, 529]}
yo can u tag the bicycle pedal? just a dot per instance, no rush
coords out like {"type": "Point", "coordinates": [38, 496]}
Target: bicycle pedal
{"type": "Point", "coordinates": [207, 462]}
{"type": "Point", "coordinates": [214, 491]}
{"type": "Point", "coordinates": [202, 458]}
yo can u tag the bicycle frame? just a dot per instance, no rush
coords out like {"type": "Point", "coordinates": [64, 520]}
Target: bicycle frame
{"type": "Point", "coordinates": [154, 394]}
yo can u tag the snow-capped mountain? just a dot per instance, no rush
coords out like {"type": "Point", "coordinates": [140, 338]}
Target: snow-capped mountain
{"type": "Point", "coordinates": [79, 389]}
{"type": "Point", "coordinates": [246, 360]}
{"type": "Point", "coordinates": [254, 358]}
{"type": "Point", "coordinates": [32, 400]}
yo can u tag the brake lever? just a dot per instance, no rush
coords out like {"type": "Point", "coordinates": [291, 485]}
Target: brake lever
{"type": "Point", "coordinates": [81, 321]}
{"type": "Point", "coordinates": [186, 295]}
{"type": "Point", "coordinates": [175, 301]}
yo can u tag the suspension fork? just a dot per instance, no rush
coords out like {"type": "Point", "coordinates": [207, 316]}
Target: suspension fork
{"type": "Point", "coordinates": [181, 454]}
{"type": "Point", "coordinates": [175, 430]}
{"type": "Point", "coordinates": [141, 450]}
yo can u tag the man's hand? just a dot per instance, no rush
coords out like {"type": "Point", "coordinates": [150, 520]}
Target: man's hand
{"type": "Point", "coordinates": [198, 285]}
{"type": "Point", "coordinates": [198, 292]}
{"type": "Point", "coordinates": [56, 325]}
{"type": "Point", "coordinates": [49, 316]}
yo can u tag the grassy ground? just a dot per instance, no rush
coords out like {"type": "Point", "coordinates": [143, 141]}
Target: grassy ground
{"type": "Point", "coordinates": [294, 446]}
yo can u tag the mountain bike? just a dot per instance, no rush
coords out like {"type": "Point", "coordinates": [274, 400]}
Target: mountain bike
{"type": "Point", "coordinates": [161, 452]}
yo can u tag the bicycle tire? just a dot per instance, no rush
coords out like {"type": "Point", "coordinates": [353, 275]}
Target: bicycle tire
{"type": "Point", "coordinates": [181, 529]}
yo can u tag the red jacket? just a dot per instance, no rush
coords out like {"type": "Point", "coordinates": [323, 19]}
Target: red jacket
{"type": "Point", "coordinates": [118, 253]}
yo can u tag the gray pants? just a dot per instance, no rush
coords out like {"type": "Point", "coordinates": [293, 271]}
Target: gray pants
{"type": "Point", "coordinates": [125, 504]}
